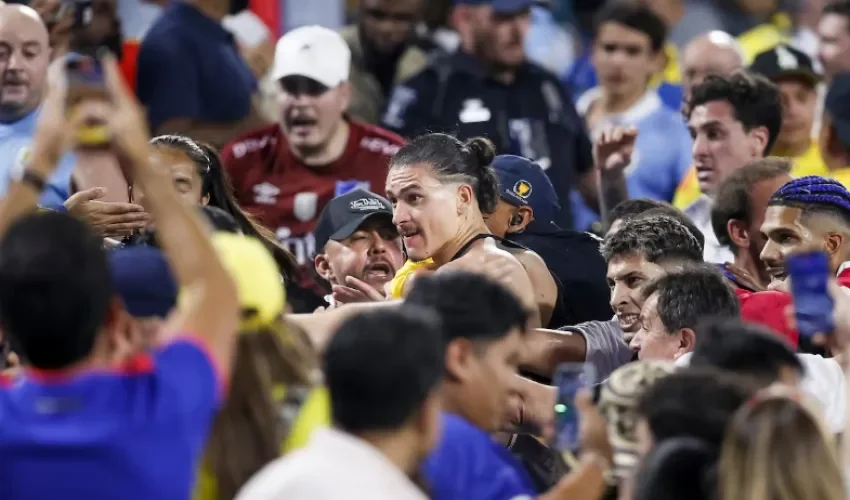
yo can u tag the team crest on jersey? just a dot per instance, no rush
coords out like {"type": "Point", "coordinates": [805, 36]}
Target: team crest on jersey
{"type": "Point", "coordinates": [345, 187]}
{"type": "Point", "coordinates": [266, 194]}
{"type": "Point", "coordinates": [522, 189]}
{"type": "Point", "coordinates": [305, 206]}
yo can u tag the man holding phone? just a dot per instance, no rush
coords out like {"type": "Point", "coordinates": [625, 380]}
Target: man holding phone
{"type": "Point", "coordinates": [24, 56]}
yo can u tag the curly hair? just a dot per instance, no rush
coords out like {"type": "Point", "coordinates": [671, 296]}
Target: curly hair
{"type": "Point", "coordinates": [754, 99]}
{"type": "Point", "coordinates": [655, 238]}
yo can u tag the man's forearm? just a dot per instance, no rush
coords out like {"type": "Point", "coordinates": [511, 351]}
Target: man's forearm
{"type": "Point", "coordinates": [180, 231]}
{"type": "Point", "coordinates": [321, 326]}
{"type": "Point", "coordinates": [546, 349]}
{"type": "Point", "coordinates": [21, 198]}
{"type": "Point", "coordinates": [612, 191]}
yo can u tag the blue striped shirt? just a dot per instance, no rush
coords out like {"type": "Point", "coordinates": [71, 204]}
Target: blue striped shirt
{"type": "Point", "coordinates": [15, 145]}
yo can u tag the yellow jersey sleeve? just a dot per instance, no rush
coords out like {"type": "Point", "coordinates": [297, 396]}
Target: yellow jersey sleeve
{"type": "Point", "coordinates": [688, 190]}
{"type": "Point", "coordinates": [402, 275]}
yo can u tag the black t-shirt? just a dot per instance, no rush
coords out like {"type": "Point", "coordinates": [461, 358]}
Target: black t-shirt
{"type": "Point", "coordinates": [573, 257]}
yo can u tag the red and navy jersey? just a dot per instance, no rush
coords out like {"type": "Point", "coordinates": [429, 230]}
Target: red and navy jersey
{"type": "Point", "coordinates": [134, 433]}
{"type": "Point", "coordinates": [287, 196]}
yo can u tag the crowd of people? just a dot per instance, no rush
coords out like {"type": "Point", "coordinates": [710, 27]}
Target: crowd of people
{"type": "Point", "coordinates": [352, 264]}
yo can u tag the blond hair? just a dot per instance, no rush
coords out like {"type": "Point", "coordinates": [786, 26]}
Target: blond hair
{"type": "Point", "coordinates": [777, 449]}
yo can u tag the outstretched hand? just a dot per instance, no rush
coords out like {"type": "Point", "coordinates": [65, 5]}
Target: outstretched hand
{"type": "Point", "coordinates": [110, 219]}
{"type": "Point", "coordinates": [356, 291]}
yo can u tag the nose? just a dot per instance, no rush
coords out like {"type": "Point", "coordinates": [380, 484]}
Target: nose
{"type": "Point", "coordinates": [770, 253]}
{"type": "Point", "coordinates": [618, 295]}
{"type": "Point", "coordinates": [634, 345]}
{"type": "Point", "coordinates": [400, 214]}
{"type": "Point", "coordinates": [379, 244]}
{"type": "Point", "coordinates": [700, 147]}
{"type": "Point", "coordinates": [14, 61]}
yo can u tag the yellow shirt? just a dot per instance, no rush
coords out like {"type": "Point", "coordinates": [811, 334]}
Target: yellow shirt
{"type": "Point", "coordinates": [842, 176]}
{"type": "Point", "coordinates": [765, 37]}
{"type": "Point", "coordinates": [315, 413]}
{"type": "Point", "coordinates": [403, 274]}
{"type": "Point", "coordinates": [809, 163]}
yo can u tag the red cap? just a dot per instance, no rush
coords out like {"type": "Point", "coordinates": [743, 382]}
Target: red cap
{"type": "Point", "coordinates": [768, 309]}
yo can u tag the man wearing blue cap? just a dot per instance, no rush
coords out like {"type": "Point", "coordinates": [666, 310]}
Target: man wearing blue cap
{"type": "Point", "coordinates": [525, 215]}
{"type": "Point", "coordinates": [488, 88]}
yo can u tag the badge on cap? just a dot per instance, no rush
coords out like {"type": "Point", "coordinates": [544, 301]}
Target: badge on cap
{"type": "Point", "coordinates": [365, 205]}
{"type": "Point", "coordinates": [522, 189]}
{"type": "Point", "coordinates": [785, 59]}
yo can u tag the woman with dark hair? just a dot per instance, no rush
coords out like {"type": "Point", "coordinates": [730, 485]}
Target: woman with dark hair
{"type": "Point", "coordinates": [199, 177]}
{"type": "Point", "coordinates": [441, 190]}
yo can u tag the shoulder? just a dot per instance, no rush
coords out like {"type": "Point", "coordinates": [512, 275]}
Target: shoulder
{"type": "Point", "coordinates": [376, 139]}
{"type": "Point", "coordinates": [255, 142]}
{"type": "Point", "coordinates": [160, 38]}
{"type": "Point", "coordinates": [281, 477]}
{"type": "Point", "coordinates": [586, 99]}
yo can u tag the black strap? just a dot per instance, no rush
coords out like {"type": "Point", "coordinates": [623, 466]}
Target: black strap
{"type": "Point", "coordinates": [465, 248]}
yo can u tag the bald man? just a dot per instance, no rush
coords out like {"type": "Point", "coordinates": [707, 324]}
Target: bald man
{"type": "Point", "coordinates": [712, 53]}
{"type": "Point", "coordinates": [24, 57]}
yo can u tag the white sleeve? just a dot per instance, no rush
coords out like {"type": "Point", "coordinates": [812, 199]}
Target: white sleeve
{"type": "Point", "coordinates": [824, 381]}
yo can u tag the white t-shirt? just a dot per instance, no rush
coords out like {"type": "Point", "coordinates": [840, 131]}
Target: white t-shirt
{"type": "Point", "coordinates": [334, 465]}
{"type": "Point", "coordinates": [823, 380]}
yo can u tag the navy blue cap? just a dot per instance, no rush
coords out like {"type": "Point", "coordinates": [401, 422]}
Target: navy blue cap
{"type": "Point", "coordinates": [343, 215]}
{"type": "Point", "coordinates": [837, 104]}
{"type": "Point", "coordinates": [142, 278]}
{"type": "Point", "coordinates": [523, 183]}
{"type": "Point", "coordinates": [500, 6]}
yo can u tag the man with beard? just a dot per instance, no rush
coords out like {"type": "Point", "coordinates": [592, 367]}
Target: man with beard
{"type": "Point", "coordinates": [286, 173]}
{"type": "Point", "coordinates": [357, 242]}
{"type": "Point", "coordinates": [382, 53]}
{"type": "Point", "coordinates": [734, 120]}
{"type": "Point", "coordinates": [487, 88]}
{"type": "Point", "coordinates": [191, 77]}
{"type": "Point", "coordinates": [24, 55]}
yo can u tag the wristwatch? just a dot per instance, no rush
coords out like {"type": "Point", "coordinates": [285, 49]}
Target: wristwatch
{"type": "Point", "coordinates": [30, 178]}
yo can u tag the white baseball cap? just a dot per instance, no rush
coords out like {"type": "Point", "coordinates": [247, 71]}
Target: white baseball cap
{"type": "Point", "coordinates": [315, 52]}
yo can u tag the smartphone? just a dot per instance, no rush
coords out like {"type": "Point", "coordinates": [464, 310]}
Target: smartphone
{"type": "Point", "coordinates": [569, 379]}
{"type": "Point", "coordinates": [813, 305]}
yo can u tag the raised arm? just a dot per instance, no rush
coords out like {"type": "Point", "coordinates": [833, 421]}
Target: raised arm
{"type": "Point", "coordinates": [209, 307]}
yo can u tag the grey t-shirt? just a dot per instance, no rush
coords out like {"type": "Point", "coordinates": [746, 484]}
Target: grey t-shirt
{"type": "Point", "coordinates": [606, 348]}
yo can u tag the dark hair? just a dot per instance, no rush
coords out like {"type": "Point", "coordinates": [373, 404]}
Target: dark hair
{"type": "Point", "coordinates": [255, 419]}
{"type": "Point", "coordinates": [815, 195]}
{"type": "Point", "coordinates": [627, 209]}
{"type": "Point", "coordinates": [636, 16]}
{"type": "Point", "coordinates": [743, 348]}
{"type": "Point", "coordinates": [216, 184]}
{"type": "Point", "coordinates": [55, 288]}
{"type": "Point", "coordinates": [675, 213]}
{"type": "Point", "coordinates": [470, 305]}
{"type": "Point", "coordinates": [838, 7]}
{"type": "Point", "coordinates": [686, 297]}
{"type": "Point", "coordinates": [384, 395]}
{"type": "Point", "coordinates": [678, 468]}
{"type": "Point", "coordinates": [456, 161]}
{"type": "Point", "coordinates": [754, 99]}
{"type": "Point", "coordinates": [696, 402]}
{"type": "Point", "coordinates": [656, 238]}
{"type": "Point", "coordinates": [732, 197]}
